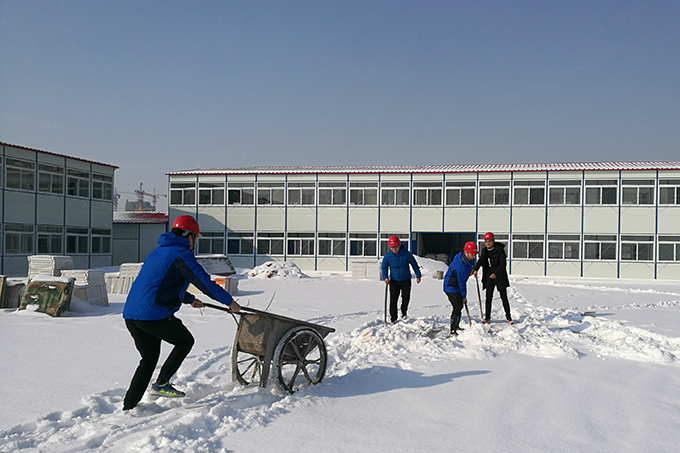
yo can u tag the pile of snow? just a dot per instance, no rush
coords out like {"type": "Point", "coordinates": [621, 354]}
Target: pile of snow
{"type": "Point", "coordinates": [276, 269]}
{"type": "Point", "coordinates": [429, 267]}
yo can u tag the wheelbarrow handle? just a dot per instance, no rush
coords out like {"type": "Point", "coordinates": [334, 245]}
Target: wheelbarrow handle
{"type": "Point", "coordinates": [226, 308]}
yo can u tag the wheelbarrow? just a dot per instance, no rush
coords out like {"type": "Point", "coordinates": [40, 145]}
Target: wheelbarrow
{"type": "Point", "coordinates": [295, 349]}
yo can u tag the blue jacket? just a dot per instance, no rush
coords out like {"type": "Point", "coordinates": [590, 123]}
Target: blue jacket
{"type": "Point", "coordinates": [161, 286]}
{"type": "Point", "coordinates": [398, 265]}
{"type": "Point", "coordinates": [455, 280]}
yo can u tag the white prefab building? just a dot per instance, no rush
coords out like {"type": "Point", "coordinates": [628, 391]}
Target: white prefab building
{"type": "Point", "coordinates": [611, 220]}
{"type": "Point", "coordinates": [54, 204]}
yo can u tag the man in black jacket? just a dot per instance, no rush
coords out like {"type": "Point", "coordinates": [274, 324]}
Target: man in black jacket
{"type": "Point", "coordinates": [492, 258]}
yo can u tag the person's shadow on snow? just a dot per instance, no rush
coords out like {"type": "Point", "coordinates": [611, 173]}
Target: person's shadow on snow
{"type": "Point", "coordinates": [383, 379]}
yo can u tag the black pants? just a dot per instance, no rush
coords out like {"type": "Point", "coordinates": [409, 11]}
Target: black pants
{"type": "Point", "coordinates": [148, 336]}
{"type": "Point", "coordinates": [503, 291]}
{"type": "Point", "coordinates": [405, 289]}
{"type": "Point", "coordinates": [456, 301]}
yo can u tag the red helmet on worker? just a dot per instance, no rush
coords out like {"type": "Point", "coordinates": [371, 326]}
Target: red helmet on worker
{"type": "Point", "coordinates": [489, 235]}
{"type": "Point", "coordinates": [186, 222]}
{"type": "Point", "coordinates": [393, 241]}
{"type": "Point", "coordinates": [470, 247]}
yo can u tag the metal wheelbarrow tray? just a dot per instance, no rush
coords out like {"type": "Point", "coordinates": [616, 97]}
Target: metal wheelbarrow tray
{"type": "Point", "coordinates": [295, 348]}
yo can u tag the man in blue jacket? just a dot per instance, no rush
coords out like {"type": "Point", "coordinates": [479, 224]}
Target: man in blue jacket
{"type": "Point", "coordinates": [156, 294]}
{"type": "Point", "coordinates": [455, 282]}
{"type": "Point", "coordinates": [397, 260]}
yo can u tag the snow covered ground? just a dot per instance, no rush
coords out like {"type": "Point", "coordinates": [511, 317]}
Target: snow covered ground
{"type": "Point", "coordinates": [556, 381]}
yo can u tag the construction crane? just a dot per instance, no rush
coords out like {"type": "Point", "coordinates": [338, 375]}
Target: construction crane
{"type": "Point", "coordinates": [141, 193]}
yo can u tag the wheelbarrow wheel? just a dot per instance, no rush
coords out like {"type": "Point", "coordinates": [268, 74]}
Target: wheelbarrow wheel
{"type": "Point", "coordinates": [299, 359]}
{"type": "Point", "coordinates": [247, 368]}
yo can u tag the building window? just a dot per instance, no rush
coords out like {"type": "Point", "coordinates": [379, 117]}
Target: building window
{"type": "Point", "coordinates": [564, 192]}
{"type": "Point", "coordinates": [102, 187]}
{"type": "Point", "coordinates": [20, 174]}
{"type": "Point", "coordinates": [529, 193]}
{"type": "Point", "coordinates": [499, 237]}
{"type": "Point", "coordinates": [50, 239]}
{"type": "Point", "coordinates": [333, 193]}
{"type": "Point", "coordinates": [601, 191]}
{"type": "Point", "coordinates": [211, 243]}
{"type": "Point", "coordinates": [50, 179]}
{"type": "Point", "coordinates": [77, 183]}
{"type": "Point", "coordinates": [494, 193]}
{"type": "Point", "coordinates": [211, 193]}
{"type": "Point", "coordinates": [300, 193]}
{"type": "Point", "coordinates": [384, 237]}
{"type": "Point", "coordinates": [331, 244]}
{"type": "Point", "coordinates": [527, 246]}
{"type": "Point", "coordinates": [363, 193]}
{"type": "Point", "coordinates": [460, 193]}
{"type": "Point", "coordinates": [101, 242]}
{"type": "Point", "coordinates": [637, 248]}
{"type": "Point", "coordinates": [270, 244]}
{"type": "Point", "coordinates": [76, 241]}
{"type": "Point", "coordinates": [599, 247]}
{"type": "Point", "coordinates": [669, 248]}
{"type": "Point", "coordinates": [637, 191]}
{"type": "Point", "coordinates": [301, 244]}
{"type": "Point", "coordinates": [270, 194]}
{"type": "Point", "coordinates": [669, 191]}
{"type": "Point", "coordinates": [239, 243]}
{"type": "Point", "coordinates": [18, 239]}
{"type": "Point", "coordinates": [241, 193]}
{"type": "Point", "coordinates": [427, 193]}
{"type": "Point", "coordinates": [363, 244]}
{"type": "Point", "coordinates": [183, 193]}
{"type": "Point", "coordinates": [563, 246]}
{"type": "Point", "coordinates": [395, 193]}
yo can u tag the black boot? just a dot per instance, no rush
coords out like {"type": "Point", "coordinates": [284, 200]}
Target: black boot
{"type": "Point", "coordinates": [455, 321]}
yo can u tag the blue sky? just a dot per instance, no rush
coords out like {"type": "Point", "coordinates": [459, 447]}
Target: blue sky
{"type": "Point", "coordinates": [158, 86]}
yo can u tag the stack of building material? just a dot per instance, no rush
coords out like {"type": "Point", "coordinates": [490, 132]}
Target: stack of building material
{"type": "Point", "coordinates": [11, 291]}
{"type": "Point", "coordinates": [230, 284]}
{"type": "Point", "coordinates": [89, 286]}
{"type": "Point", "coordinates": [366, 270]}
{"type": "Point", "coordinates": [121, 281]}
{"type": "Point", "coordinates": [48, 265]}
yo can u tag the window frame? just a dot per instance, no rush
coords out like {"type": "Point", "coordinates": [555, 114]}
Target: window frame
{"type": "Point", "coordinates": [495, 187]}
{"type": "Point", "coordinates": [186, 191]}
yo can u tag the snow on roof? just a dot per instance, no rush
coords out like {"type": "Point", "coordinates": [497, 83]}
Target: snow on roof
{"type": "Point", "coordinates": [464, 168]}
{"type": "Point", "coordinates": [57, 154]}
{"type": "Point", "coordinates": [155, 217]}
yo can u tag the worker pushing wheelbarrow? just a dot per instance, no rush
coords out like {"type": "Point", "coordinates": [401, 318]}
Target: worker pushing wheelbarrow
{"type": "Point", "coordinates": [295, 348]}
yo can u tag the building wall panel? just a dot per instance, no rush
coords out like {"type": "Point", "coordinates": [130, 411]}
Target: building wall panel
{"type": "Point", "coordinates": [599, 269]}
{"type": "Point", "coordinates": [332, 218]}
{"type": "Point", "coordinates": [211, 218]}
{"type": "Point", "coordinates": [19, 207]}
{"type": "Point", "coordinates": [460, 219]}
{"type": "Point", "coordinates": [77, 213]}
{"type": "Point", "coordinates": [528, 220]}
{"type": "Point", "coordinates": [637, 271]}
{"type": "Point", "coordinates": [427, 219]}
{"type": "Point", "coordinates": [301, 218]}
{"type": "Point", "coordinates": [395, 219]}
{"type": "Point", "coordinates": [363, 219]}
{"type": "Point", "coordinates": [640, 219]}
{"type": "Point", "coordinates": [600, 220]}
{"type": "Point", "coordinates": [51, 210]}
{"type": "Point", "coordinates": [564, 219]}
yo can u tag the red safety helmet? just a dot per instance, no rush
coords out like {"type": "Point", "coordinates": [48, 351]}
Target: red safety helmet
{"type": "Point", "coordinates": [488, 236]}
{"type": "Point", "coordinates": [471, 247]}
{"type": "Point", "coordinates": [393, 241]}
{"type": "Point", "coordinates": [186, 222]}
